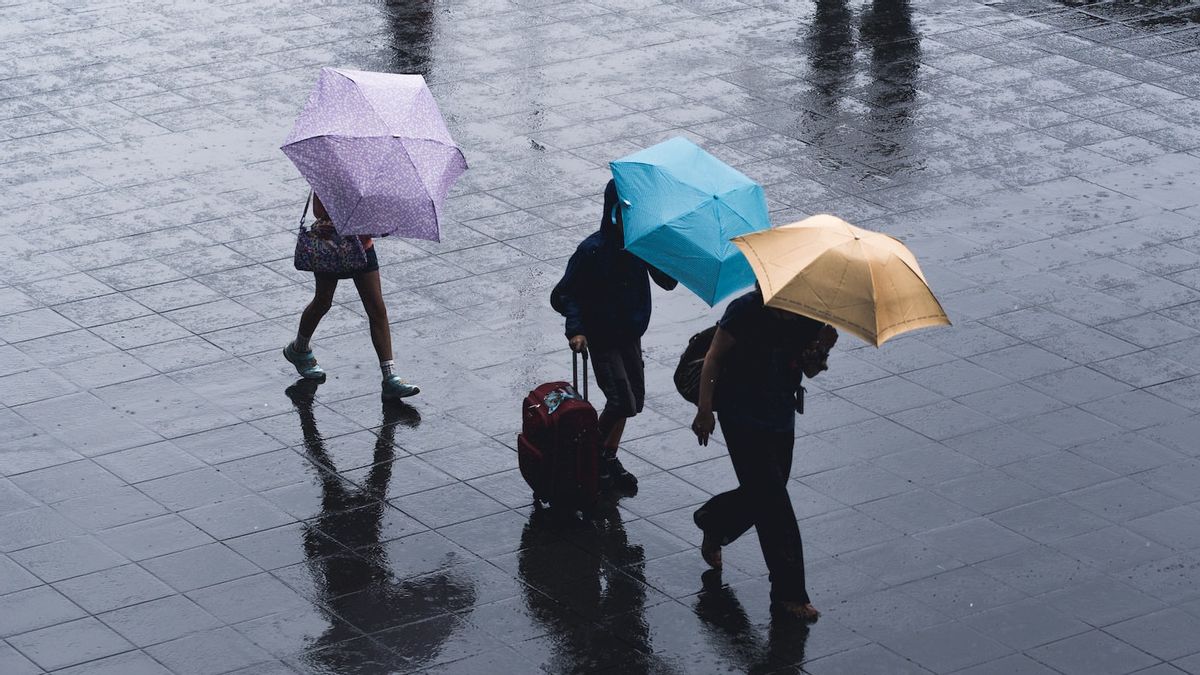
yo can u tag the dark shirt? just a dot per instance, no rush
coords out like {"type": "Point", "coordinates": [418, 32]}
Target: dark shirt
{"type": "Point", "coordinates": [761, 373]}
{"type": "Point", "coordinates": [605, 292]}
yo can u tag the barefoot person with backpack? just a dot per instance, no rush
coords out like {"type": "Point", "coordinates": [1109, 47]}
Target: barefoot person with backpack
{"type": "Point", "coordinates": [751, 378]}
{"type": "Point", "coordinates": [605, 296]}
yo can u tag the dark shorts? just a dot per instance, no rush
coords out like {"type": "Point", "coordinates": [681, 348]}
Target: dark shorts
{"type": "Point", "coordinates": [372, 266]}
{"type": "Point", "coordinates": [621, 375]}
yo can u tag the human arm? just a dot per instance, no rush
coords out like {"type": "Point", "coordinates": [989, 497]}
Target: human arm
{"type": "Point", "coordinates": [322, 227]}
{"type": "Point", "coordinates": [705, 422]}
{"type": "Point", "coordinates": [664, 280]}
{"type": "Point", "coordinates": [565, 300]}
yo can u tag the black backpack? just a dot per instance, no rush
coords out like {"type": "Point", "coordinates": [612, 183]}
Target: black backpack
{"type": "Point", "coordinates": [687, 373]}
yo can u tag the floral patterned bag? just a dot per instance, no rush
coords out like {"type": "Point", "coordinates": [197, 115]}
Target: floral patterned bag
{"type": "Point", "coordinates": [326, 251]}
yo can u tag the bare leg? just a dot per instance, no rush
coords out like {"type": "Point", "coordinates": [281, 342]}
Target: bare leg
{"type": "Point", "coordinates": [612, 427]}
{"type": "Point", "coordinates": [320, 304]}
{"type": "Point", "coordinates": [371, 294]}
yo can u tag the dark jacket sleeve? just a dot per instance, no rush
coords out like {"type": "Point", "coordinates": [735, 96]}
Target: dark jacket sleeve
{"type": "Point", "coordinates": [565, 296]}
{"type": "Point", "coordinates": [661, 278]}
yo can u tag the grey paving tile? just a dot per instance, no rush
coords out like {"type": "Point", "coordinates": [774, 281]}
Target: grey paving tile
{"type": "Point", "coordinates": [13, 662]}
{"type": "Point", "coordinates": [128, 663]}
{"type": "Point", "coordinates": [1069, 427]}
{"type": "Point", "coordinates": [119, 506]}
{"type": "Point", "coordinates": [199, 567]}
{"type": "Point", "coordinates": [1059, 471]}
{"type": "Point", "coordinates": [1015, 664]}
{"type": "Point", "coordinates": [1171, 479]}
{"type": "Point", "coordinates": [1120, 500]}
{"type": "Point", "coordinates": [915, 511]}
{"type": "Point", "coordinates": [870, 658]}
{"type": "Point", "coordinates": [1103, 601]}
{"type": "Point", "coordinates": [153, 537]}
{"type": "Point", "coordinates": [113, 588]}
{"type": "Point", "coordinates": [13, 577]}
{"type": "Point", "coordinates": [988, 491]}
{"type": "Point", "coordinates": [1166, 634]}
{"type": "Point", "coordinates": [208, 653]}
{"type": "Point", "coordinates": [238, 516]}
{"type": "Point", "coordinates": [148, 462]}
{"type": "Point", "coordinates": [1175, 528]}
{"type": "Point", "coordinates": [1078, 385]}
{"type": "Point", "coordinates": [159, 620]}
{"type": "Point", "coordinates": [1092, 652]}
{"type": "Point", "coordinates": [35, 608]}
{"type": "Point", "coordinates": [948, 647]}
{"type": "Point", "coordinates": [943, 420]}
{"type": "Point", "coordinates": [32, 527]}
{"type": "Point", "coordinates": [66, 481]}
{"type": "Point", "coordinates": [67, 558]}
{"type": "Point", "coordinates": [69, 643]}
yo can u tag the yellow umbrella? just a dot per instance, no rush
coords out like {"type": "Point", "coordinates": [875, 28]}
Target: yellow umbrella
{"type": "Point", "coordinates": [861, 281]}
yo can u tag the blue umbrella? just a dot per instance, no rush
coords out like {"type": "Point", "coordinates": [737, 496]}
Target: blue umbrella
{"type": "Point", "coordinates": [680, 207]}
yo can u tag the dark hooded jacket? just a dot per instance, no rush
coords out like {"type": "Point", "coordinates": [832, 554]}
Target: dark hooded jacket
{"type": "Point", "coordinates": [605, 292]}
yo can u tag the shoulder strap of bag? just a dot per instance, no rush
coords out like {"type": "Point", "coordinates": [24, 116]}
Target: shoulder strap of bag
{"type": "Point", "coordinates": [304, 215]}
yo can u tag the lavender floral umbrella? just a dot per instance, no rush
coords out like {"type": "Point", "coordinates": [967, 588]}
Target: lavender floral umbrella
{"type": "Point", "coordinates": [376, 150]}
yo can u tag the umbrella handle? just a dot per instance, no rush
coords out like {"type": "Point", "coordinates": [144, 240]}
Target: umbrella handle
{"type": "Point", "coordinates": [575, 372]}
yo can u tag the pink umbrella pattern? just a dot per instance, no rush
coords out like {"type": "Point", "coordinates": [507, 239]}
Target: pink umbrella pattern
{"type": "Point", "coordinates": [375, 149]}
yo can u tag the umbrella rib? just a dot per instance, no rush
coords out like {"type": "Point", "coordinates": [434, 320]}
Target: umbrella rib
{"type": "Point", "coordinates": [417, 170]}
{"type": "Point", "coordinates": [370, 106]}
{"type": "Point", "coordinates": [740, 216]}
{"type": "Point", "coordinates": [353, 211]}
{"type": "Point", "coordinates": [922, 278]}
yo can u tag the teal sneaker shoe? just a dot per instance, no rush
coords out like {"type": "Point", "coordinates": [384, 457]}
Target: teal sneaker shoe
{"type": "Point", "coordinates": [305, 362]}
{"type": "Point", "coordinates": [394, 389]}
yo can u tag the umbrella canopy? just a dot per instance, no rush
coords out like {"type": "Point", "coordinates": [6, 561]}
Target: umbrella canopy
{"type": "Point", "coordinates": [680, 208]}
{"type": "Point", "coordinates": [376, 150]}
{"type": "Point", "coordinates": [861, 281]}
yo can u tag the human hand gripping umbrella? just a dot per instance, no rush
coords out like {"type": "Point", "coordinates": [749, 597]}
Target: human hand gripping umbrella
{"type": "Point", "coordinates": [861, 281]}
{"type": "Point", "coordinates": [680, 207]}
{"type": "Point", "coordinates": [375, 149]}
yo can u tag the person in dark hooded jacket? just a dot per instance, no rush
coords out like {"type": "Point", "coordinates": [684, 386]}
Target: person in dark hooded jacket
{"type": "Point", "coordinates": [605, 296]}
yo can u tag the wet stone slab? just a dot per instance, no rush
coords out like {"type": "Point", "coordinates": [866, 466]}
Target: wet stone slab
{"type": "Point", "coordinates": [1013, 494]}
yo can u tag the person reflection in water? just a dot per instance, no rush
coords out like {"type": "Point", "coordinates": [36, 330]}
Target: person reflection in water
{"type": "Point", "coordinates": [735, 639]}
{"type": "Point", "coordinates": [887, 25]}
{"type": "Point", "coordinates": [412, 24]}
{"type": "Point", "coordinates": [586, 586]}
{"type": "Point", "coordinates": [356, 586]}
{"type": "Point", "coordinates": [883, 132]}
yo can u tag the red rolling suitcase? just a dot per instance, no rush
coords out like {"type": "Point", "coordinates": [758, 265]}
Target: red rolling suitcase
{"type": "Point", "coordinates": [559, 445]}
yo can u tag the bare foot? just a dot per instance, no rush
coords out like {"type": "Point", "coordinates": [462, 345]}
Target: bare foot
{"type": "Point", "coordinates": [802, 611]}
{"type": "Point", "coordinates": [710, 550]}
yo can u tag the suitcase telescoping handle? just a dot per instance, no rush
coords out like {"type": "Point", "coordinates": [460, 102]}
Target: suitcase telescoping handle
{"type": "Point", "coordinates": [575, 372]}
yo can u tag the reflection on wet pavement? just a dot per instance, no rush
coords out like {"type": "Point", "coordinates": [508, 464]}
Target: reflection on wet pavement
{"type": "Point", "coordinates": [586, 586]}
{"type": "Point", "coordinates": [355, 585]}
{"type": "Point", "coordinates": [1016, 494]}
{"type": "Point", "coordinates": [737, 639]}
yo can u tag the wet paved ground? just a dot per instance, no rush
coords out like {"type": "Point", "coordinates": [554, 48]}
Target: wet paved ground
{"type": "Point", "coordinates": [1017, 494]}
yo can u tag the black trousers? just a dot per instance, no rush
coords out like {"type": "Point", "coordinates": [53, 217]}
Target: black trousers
{"type": "Point", "coordinates": [762, 461]}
